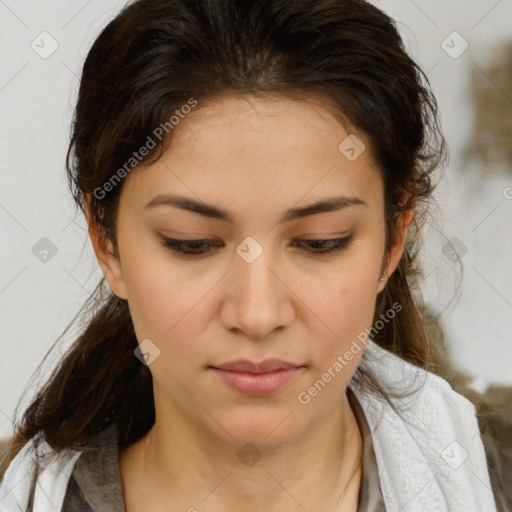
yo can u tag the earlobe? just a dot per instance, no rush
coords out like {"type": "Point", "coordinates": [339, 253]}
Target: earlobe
{"type": "Point", "coordinates": [104, 251]}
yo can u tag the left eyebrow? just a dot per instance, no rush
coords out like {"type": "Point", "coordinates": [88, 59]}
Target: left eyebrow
{"type": "Point", "coordinates": [207, 210]}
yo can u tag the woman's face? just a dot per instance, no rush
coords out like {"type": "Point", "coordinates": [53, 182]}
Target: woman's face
{"type": "Point", "coordinates": [251, 168]}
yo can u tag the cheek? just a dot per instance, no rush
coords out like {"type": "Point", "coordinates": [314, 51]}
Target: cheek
{"type": "Point", "coordinates": [167, 306]}
{"type": "Point", "coordinates": [158, 293]}
{"type": "Point", "coordinates": [347, 306]}
{"type": "Point", "coordinates": [349, 291]}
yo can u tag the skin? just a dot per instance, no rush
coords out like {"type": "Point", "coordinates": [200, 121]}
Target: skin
{"type": "Point", "coordinates": [256, 158]}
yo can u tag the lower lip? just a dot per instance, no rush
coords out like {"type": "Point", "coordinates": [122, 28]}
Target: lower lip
{"type": "Point", "coordinates": [257, 384]}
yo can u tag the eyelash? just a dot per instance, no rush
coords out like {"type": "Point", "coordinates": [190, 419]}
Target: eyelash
{"type": "Point", "coordinates": [186, 247]}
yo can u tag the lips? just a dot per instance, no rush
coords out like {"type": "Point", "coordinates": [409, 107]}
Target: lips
{"type": "Point", "coordinates": [269, 365]}
{"type": "Point", "coordinates": [257, 379]}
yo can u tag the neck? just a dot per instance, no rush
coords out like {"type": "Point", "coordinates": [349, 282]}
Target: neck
{"type": "Point", "coordinates": [319, 471]}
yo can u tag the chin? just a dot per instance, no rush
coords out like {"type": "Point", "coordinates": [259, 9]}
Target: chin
{"type": "Point", "coordinates": [264, 431]}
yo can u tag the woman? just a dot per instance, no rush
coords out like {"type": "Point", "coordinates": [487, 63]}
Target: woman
{"type": "Point", "coordinates": [254, 175]}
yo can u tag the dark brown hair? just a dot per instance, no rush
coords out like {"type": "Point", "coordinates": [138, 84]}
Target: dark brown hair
{"type": "Point", "coordinates": [148, 62]}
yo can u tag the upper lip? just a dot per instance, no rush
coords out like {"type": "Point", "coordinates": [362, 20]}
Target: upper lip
{"type": "Point", "coordinates": [269, 365]}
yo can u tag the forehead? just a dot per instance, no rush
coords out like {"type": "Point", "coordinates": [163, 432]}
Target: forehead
{"type": "Point", "coordinates": [277, 124]}
{"type": "Point", "coordinates": [273, 148]}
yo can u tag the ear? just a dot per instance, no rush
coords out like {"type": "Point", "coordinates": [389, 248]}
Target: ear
{"type": "Point", "coordinates": [104, 251]}
{"type": "Point", "coordinates": [397, 247]}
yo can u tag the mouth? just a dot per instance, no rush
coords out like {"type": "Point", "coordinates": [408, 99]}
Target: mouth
{"type": "Point", "coordinates": [257, 379]}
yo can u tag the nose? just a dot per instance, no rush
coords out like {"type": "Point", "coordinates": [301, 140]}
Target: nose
{"type": "Point", "coordinates": [257, 298]}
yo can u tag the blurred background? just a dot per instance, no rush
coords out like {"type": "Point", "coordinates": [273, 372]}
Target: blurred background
{"type": "Point", "coordinates": [48, 267]}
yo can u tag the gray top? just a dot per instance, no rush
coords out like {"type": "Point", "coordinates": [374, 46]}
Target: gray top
{"type": "Point", "coordinates": [95, 484]}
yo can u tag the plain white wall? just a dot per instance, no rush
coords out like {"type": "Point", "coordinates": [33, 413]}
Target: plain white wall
{"type": "Point", "coordinates": [38, 299]}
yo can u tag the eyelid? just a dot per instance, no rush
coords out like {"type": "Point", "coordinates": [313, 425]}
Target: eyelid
{"type": "Point", "coordinates": [186, 247]}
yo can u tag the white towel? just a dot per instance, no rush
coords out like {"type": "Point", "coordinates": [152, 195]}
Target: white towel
{"type": "Point", "coordinates": [434, 461]}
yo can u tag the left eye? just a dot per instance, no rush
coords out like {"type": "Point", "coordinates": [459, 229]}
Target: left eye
{"type": "Point", "coordinates": [201, 246]}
